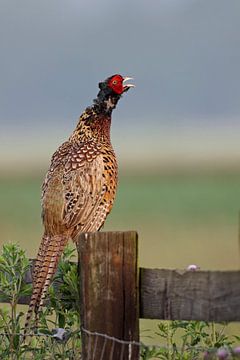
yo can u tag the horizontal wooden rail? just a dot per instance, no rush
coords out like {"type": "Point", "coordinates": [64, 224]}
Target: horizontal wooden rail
{"type": "Point", "coordinates": [185, 295]}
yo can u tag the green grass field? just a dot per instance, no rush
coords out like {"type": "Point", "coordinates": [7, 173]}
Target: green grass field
{"type": "Point", "coordinates": [180, 218]}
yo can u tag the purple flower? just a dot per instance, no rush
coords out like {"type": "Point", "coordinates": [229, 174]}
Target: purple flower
{"type": "Point", "coordinates": [222, 353]}
{"type": "Point", "coordinates": [193, 267]}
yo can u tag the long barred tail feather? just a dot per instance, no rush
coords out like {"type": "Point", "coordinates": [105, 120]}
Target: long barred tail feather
{"type": "Point", "coordinates": [48, 257]}
{"type": "Point", "coordinates": [60, 243]}
{"type": "Point", "coordinates": [40, 256]}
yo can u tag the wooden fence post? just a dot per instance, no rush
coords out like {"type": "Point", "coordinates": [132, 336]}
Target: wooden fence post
{"type": "Point", "coordinates": [109, 294]}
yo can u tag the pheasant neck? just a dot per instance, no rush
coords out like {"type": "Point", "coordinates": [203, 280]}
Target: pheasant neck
{"type": "Point", "coordinates": [92, 125]}
{"type": "Point", "coordinates": [105, 103]}
{"type": "Point", "coordinates": [95, 122]}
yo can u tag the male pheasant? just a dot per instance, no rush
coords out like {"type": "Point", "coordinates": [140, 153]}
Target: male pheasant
{"type": "Point", "coordinates": [79, 188]}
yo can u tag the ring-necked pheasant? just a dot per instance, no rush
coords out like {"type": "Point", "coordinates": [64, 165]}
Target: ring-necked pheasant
{"type": "Point", "coordinates": [79, 188]}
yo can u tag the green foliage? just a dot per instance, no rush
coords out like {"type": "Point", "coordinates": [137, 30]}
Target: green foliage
{"type": "Point", "coordinates": [188, 340]}
{"type": "Point", "coordinates": [60, 312]}
{"type": "Point", "coordinates": [13, 266]}
{"type": "Point", "coordinates": [64, 292]}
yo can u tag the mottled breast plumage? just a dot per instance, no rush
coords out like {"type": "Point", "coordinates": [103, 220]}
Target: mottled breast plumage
{"type": "Point", "coordinates": [85, 152]}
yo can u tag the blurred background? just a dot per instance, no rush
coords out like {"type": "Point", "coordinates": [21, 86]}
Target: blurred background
{"type": "Point", "coordinates": [176, 134]}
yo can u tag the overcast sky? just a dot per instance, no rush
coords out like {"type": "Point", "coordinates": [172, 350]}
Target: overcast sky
{"type": "Point", "coordinates": [183, 54]}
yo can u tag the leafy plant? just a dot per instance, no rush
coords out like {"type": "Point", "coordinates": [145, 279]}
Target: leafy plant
{"type": "Point", "coordinates": [188, 340]}
{"type": "Point", "coordinates": [60, 311]}
{"type": "Point", "coordinates": [13, 266]}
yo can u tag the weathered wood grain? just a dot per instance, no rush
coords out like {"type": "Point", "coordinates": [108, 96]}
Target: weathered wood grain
{"type": "Point", "coordinates": [186, 295]}
{"type": "Point", "coordinates": [109, 292]}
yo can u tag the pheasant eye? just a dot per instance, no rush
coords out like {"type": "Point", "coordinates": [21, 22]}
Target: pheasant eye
{"type": "Point", "coordinates": [114, 82]}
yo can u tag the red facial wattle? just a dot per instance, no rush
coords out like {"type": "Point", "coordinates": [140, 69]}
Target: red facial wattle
{"type": "Point", "coordinates": [116, 83]}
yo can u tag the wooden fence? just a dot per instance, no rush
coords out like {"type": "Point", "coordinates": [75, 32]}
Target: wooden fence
{"type": "Point", "coordinates": [115, 292]}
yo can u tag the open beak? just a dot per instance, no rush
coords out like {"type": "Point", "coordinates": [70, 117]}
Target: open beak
{"type": "Point", "coordinates": [126, 87]}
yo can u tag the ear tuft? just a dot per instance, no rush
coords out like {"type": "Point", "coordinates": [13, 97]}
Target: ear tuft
{"type": "Point", "coordinates": [101, 85]}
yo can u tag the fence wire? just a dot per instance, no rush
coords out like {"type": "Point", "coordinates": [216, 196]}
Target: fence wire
{"type": "Point", "coordinates": [100, 346]}
{"type": "Point", "coordinates": [100, 351]}
{"type": "Point", "coordinates": [132, 350]}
